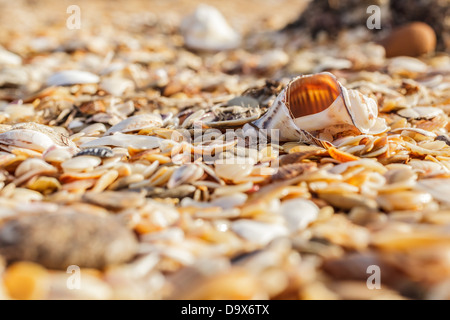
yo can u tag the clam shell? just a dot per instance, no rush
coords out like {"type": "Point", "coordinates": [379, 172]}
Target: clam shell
{"type": "Point", "coordinates": [25, 138]}
{"type": "Point", "coordinates": [298, 213]}
{"type": "Point", "coordinates": [34, 136]}
{"type": "Point", "coordinates": [116, 86]}
{"type": "Point", "coordinates": [185, 174]}
{"type": "Point", "coordinates": [136, 123]}
{"type": "Point", "coordinates": [207, 29]}
{"type": "Point", "coordinates": [81, 163]}
{"type": "Point", "coordinates": [125, 141]}
{"type": "Point", "coordinates": [9, 58]}
{"type": "Point", "coordinates": [258, 232]}
{"type": "Point", "coordinates": [31, 165]}
{"type": "Point", "coordinates": [71, 77]}
{"type": "Point", "coordinates": [315, 102]}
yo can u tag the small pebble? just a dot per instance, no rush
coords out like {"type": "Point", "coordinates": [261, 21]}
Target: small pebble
{"type": "Point", "coordinates": [413, 40]}
{"type": "Point", "coordinates": [57, 241]}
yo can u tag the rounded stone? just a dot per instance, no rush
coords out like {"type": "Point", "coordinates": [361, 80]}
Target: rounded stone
{"type": "Point", "coordinates": [57, 241]}
{"type": "Point", "coordinates": [413, 39]}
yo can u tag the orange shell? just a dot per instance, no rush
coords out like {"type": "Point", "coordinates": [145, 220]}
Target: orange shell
{"type": "Point", "coordinates": [310, 95]}
{"type": "Point", "coordinates": [341, 155]}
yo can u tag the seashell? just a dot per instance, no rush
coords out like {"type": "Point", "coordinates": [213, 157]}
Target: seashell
{"type": "Point", "coordinates": [406, 65]}
{"type": "Point", "coordinates": [293, 170]}
{"type": "Point", "coordinates": [115, 200]}
{"type": "Point", "coordinates": [234, 168]}
{"type": "Point", "coordinates": [127, 140]}
{"type": "Point", "coordinates": [418, 113]}
{"type": "Point", "coordinates": [126, 181]}
{"type": "Point", "coordinates": [315, 102]}
{"type": "Point", "coordinates": [180, 192]}
{"type": "Point", "coordinates": [26, 139]}
{"type": "Point", "coordinates": [438, 188]}
{"type": "Point", "coordinates": [81, 163]}
{"type": "Point", "coordinates": [34, 136]}
{"type": "Point", "coordinates": [57, 155]}
{"type": "Point", "coordinates": [71, 77]}
{"type": "Point", "coordinates": [273, 59]}
{"type": "Point", "coordinates": [341, 156]}
{"type": "Point", "coordinates": [9, 58]}
{"type": "Point", "coordinates": [229, 116]}
{"type": "Point", "coordinates": [27, 281]}
{"type": "Point", "coordinates": [17, 112]}
{"type": "Point", "coordinates": [96, 152]}
{"type": "Point", "coordinates": [444, 138]}
{"type": "Point", "coordinates": [185, 174]}
{"type": "Point", "coordinates": [136, 123]}
{"type": "Point", "coordinates": [422, 132]}
{"type": "Point", "coordinates": [105, 180]}
{"type": "Point", "coordinates": [347, 201]}
{"type": "Point", "coordinates": [116, 86]}
{"type": "Point", "coordinates": [33, 164]}
{"type": "Point", "coordinates": [258, 232]}
{"type": "Point", "coordinates": [26, 195]}
{"type": "Point", "coordinates": [44, 185]}
{"type": "Point", "coordinates": [207, 29]}
{"type": "Point", "coordinates": [299, 213]}
{"type": "Point", "coordinates": [14, 77]}
{"type": "Point", "coordinates": [93, 129]}
{"type": "Point", "coordinates": [404, 200]}
{"type": "Point", "coordinates": [413, 39]}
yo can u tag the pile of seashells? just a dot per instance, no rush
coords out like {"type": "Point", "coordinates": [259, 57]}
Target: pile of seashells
{"type": "Point", "coordinates": [164, 164]}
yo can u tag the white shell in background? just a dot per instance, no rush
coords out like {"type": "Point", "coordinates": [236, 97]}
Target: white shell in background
{"type": "Point", "coordinates": [136, 123]}
{"type": "Point", "coordinates": [72, 77]}
{"type": "Point", "coordinates": [207, 29]}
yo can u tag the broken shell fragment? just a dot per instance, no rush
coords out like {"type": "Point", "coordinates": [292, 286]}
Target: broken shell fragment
{"type": "Point", "coordinates": [126, 140]}
{"type": "Point", "coordinates": [136, 123]}
{"type": "Point", "coordinates": [312, 103]}
{"type": "Point", "coordinates": [71, 77]}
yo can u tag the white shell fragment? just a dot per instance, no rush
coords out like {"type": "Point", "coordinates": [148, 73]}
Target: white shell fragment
{"type": "Point", "coordinates": [116, 86]}
{"type": "Point", "coordinates": [420, 112]}
{"type": "Point", "coordinates": [136, 123]}
{"type": "Point", "coordinates": [9, 58]}
{"type": "Point", "coordinates": [81, 163]}
{"type": "Point", "coordinates": [438, 188]}
{"type": "Point", "coordinates": [125, 141]}
{"type": "Point", "coordinates": [312, 103]}
{"type": "Point", "coordinates": [25, 138]}
{"type": "Point", "coordinates": [33, 164]}
{"type": "Point", "coordinates": [71, 77]}
{"type": "Point", "coordinates": [299, 213]}
{"type": "Point", "coordinates": [258, 232]}
{"type": "Point", "coordinates": [207, 29]}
